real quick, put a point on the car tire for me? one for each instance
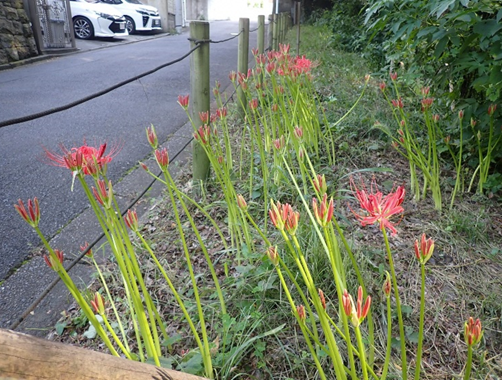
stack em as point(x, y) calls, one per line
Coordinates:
point(130, 25)
point(83, 28)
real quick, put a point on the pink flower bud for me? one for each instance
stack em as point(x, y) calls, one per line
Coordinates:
point(183, 100)
point(32, 215)
point(131, 220)
point(162, 158)
point(473, 332)
point(273, 255)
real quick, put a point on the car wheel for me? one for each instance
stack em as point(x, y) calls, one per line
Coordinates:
point(130, 25)
point(83, 28)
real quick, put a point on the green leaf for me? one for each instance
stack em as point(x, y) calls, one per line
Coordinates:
point(406, 310)
point(487, 28)
point(90, 333)
point(413, 337)
point(192, 365)
point(60, 326)
point(171, 340)
point(499, 15)
point(440, 47)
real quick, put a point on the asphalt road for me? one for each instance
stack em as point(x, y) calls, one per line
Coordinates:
point(118, 118)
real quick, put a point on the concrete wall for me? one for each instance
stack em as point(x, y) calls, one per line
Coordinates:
point(166, 11)
point(197, 10)
point(16, 36)
point(235, 9)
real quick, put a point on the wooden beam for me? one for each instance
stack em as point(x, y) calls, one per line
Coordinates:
point(26, 357)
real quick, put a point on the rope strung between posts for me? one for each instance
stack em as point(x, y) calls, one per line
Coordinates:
point(92, 96)
point(215, 42)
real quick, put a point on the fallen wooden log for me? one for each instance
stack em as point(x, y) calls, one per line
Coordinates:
point(25, 357)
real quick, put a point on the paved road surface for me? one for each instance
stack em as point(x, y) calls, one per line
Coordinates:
point(119, 117)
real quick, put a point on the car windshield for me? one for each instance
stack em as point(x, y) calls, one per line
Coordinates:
point(134, 1)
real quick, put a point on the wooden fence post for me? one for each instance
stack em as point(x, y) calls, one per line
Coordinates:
point(275, 32)
point(26, 357)
point(298, 9)
point(199, 93)
point(242, 61)
point(270, 41)
point(261, 34)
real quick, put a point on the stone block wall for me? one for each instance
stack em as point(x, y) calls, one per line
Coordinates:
point(16, 36)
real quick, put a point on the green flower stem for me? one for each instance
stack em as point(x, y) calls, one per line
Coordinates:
point(134, 322)
point(420, 324)
point(115, 312)
point(201, 242)
point(301, 324)
point(389, 341)
point(116, 338)
point(206, 354)
point(362, 354)
point(404, 362)
point(181, 304)
point(369, 317)
point(468, 365)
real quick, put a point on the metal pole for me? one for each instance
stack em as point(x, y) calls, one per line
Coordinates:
point(261, 34)
point(242, 61)
point(199, 92)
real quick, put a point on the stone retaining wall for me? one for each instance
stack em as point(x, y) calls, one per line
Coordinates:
point(16, 37)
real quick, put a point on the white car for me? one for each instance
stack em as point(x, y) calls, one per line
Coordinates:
point(139, 17)
point(92, 18)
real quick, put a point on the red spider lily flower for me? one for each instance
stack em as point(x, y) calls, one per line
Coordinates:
point(275, 107)
point(387, 285)
point(426, 103)
point(254, 51)
point(279, 143)
point(378, 207)
point(424, 249)
point(85, 159)
point(303, 65)
point(241, 202)
point(183, 100)
point(232, 76)
point(162, 158)
point(143, 165)
point(278, 214)
point(32, 215)
point(131, 220)
point(322, 298)
point(398, 103)
point(382, 86)
point(98, 304)
point(284, 48)
point(203, 134)
point(472, 332)
point(84, 248)
point(260, 59)
point(271, 67)
point(204, 117)
point(54, 262)
point(473, 122)
point(220, 160)
point(324, 212)
point(151, 135)
point(461, 114)
point(221, 112)
point(103, 196)
point(425, 90)
point(320, 185)
point(300, 309)
point(292, 221)
point(216, 91)
point(393, 76)
point(273, 255)
point(250, 73)
point(435, 118)
point(359, 312)
point(491, 109)
point(447, 139)
point(298, 132)
point(253, 104)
